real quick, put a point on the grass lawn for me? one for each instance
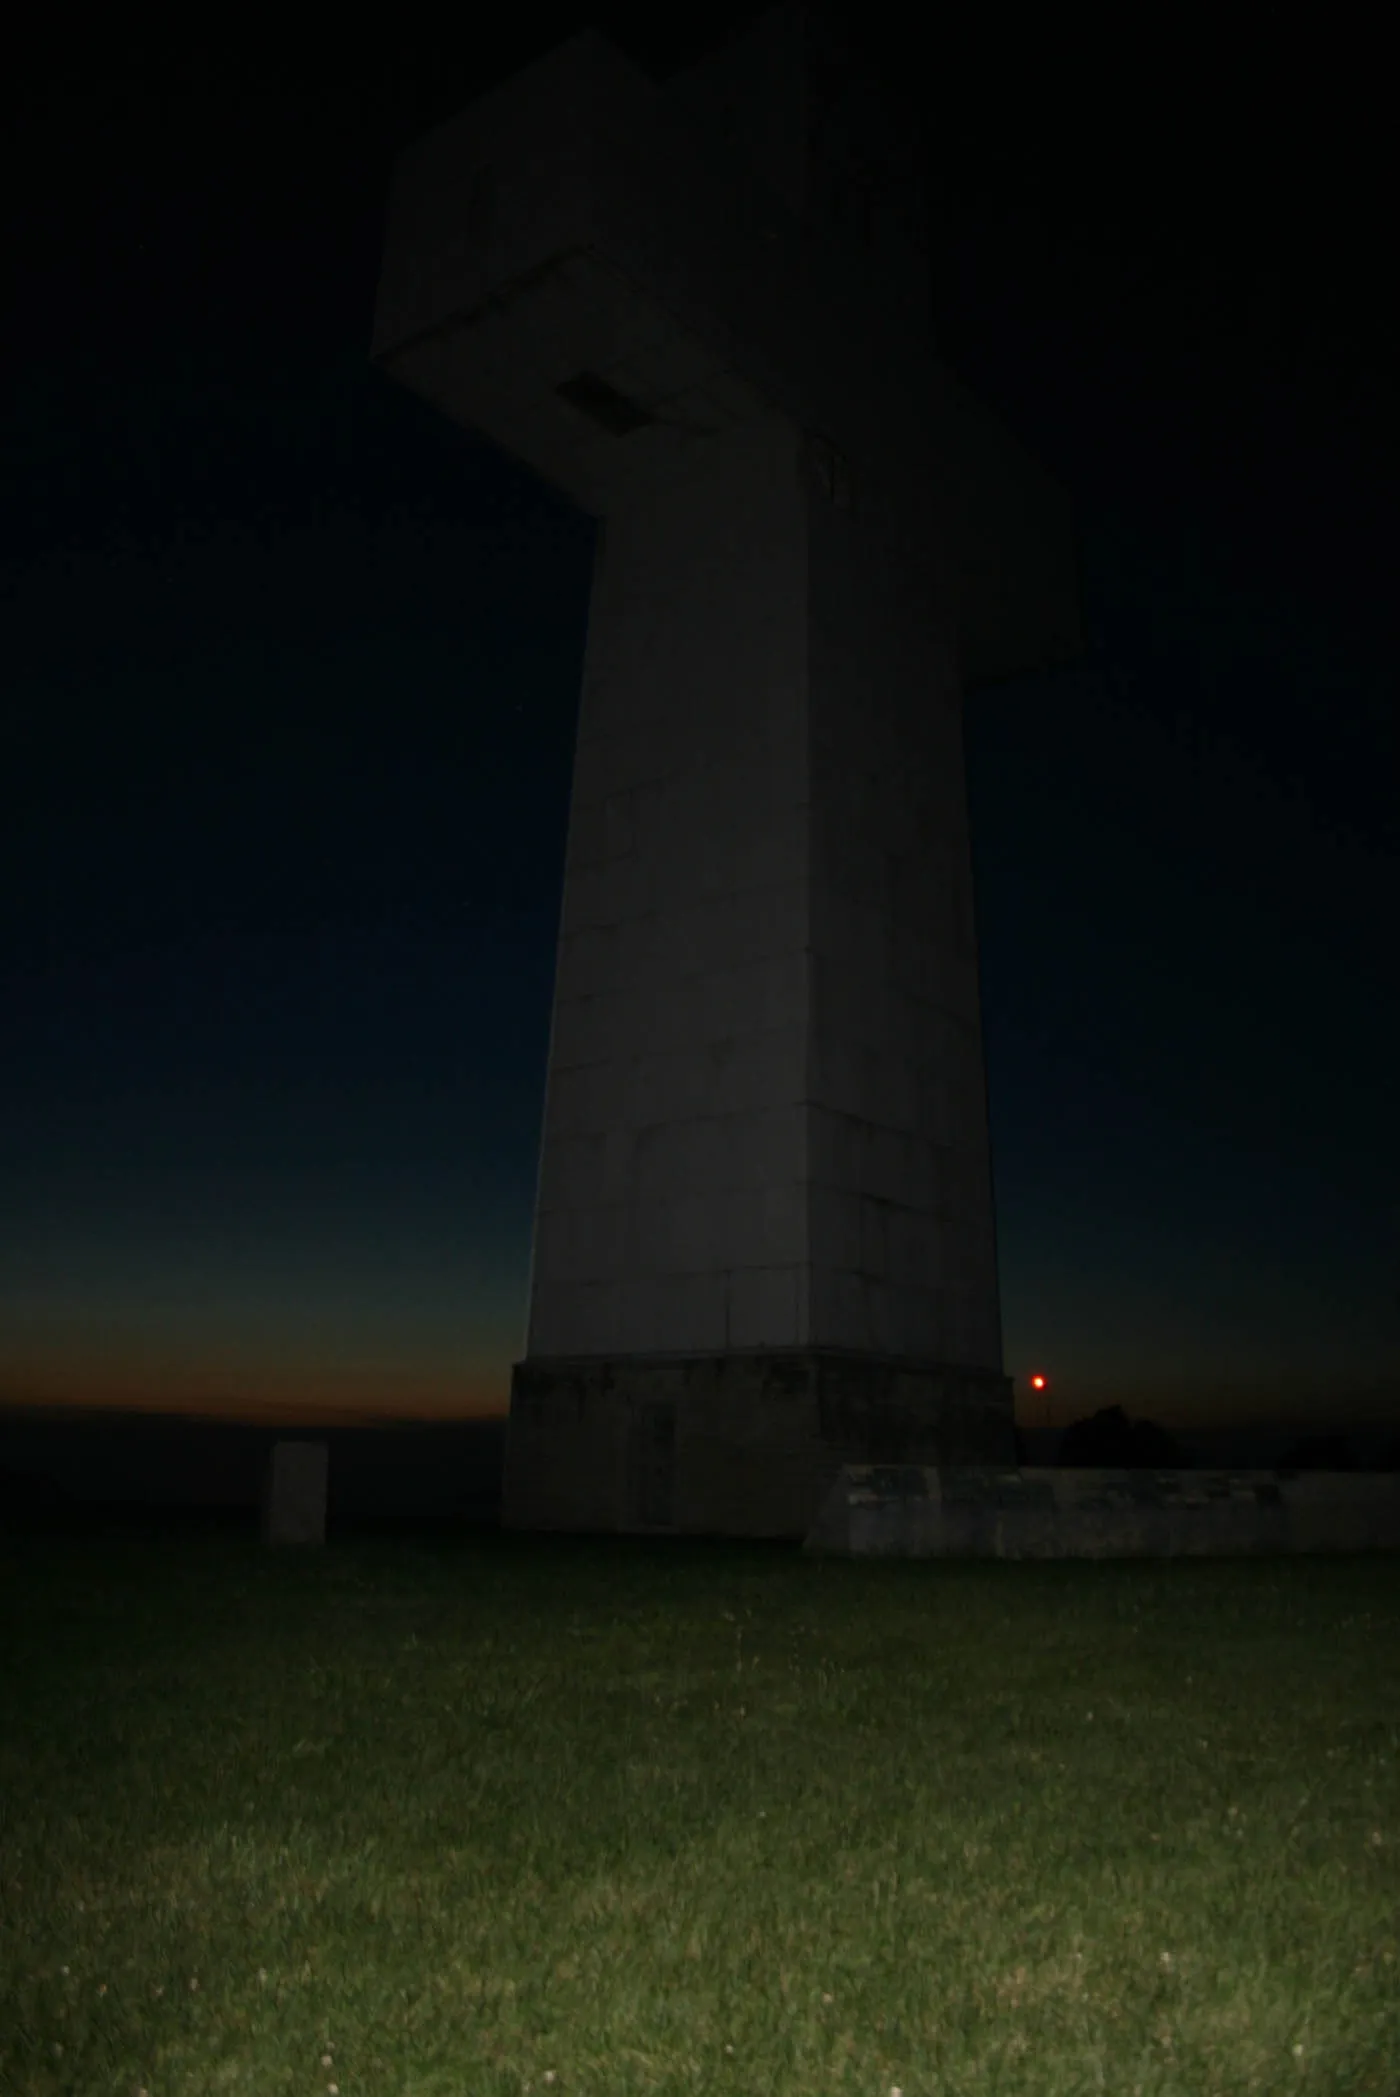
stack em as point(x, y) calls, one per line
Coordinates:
point(460, 1816)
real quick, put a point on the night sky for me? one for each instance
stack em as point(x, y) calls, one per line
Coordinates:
point(289, 672)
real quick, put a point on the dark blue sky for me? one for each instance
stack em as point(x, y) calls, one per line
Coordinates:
point(289, 672)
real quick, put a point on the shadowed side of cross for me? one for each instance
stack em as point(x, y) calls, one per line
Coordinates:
point(586, 256)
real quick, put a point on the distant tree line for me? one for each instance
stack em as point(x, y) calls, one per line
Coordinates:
point(1109, 1441)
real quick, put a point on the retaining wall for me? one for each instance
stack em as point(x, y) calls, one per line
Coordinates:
point(904, 1511)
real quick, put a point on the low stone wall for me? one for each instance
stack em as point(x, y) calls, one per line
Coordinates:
point(903, 1511)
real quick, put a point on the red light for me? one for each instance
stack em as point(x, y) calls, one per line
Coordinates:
point(1037, 1383)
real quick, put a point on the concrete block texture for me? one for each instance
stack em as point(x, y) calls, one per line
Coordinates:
point(733, 1444)
point(906, 1511)
point(714, 1124)
point(294, 1493)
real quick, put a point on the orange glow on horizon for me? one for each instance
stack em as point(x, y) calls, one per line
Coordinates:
point(292, 1380)
point(150, 1379)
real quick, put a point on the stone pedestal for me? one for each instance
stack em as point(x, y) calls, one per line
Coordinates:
point(731, 1445)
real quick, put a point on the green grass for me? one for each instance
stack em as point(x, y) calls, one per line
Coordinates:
point(496, 1814)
